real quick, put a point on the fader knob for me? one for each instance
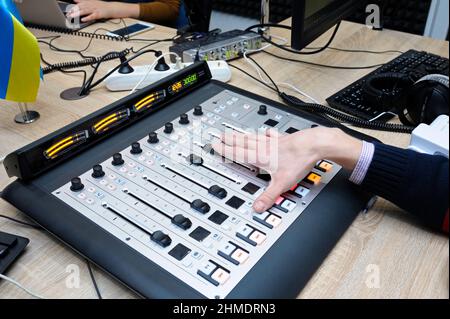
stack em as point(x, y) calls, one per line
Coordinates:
point(182, 222)
point(77, 185)
point(97, 171)
point(161, 239)
point(195, 160)
point(117, 159)
point(136, 148)
point(218, 192)
point(262, 110)
point(184, 119)
point(198, 111)
point(168, 128)
point(200, 206)
point(153, 138)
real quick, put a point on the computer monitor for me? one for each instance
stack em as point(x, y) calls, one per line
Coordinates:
point(312, 18)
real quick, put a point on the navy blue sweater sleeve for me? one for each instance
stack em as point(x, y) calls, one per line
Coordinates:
point(415, 182)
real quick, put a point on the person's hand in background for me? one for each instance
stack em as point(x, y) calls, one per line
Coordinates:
point(90, 10)
point(288, 158)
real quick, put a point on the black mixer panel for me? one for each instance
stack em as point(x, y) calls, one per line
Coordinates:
point(136, 188)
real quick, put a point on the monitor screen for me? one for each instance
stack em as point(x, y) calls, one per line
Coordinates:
point(312, 18)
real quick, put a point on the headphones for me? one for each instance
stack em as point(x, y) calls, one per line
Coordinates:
point(415, 102)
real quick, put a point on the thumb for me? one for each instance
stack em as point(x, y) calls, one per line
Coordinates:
point(268, 198)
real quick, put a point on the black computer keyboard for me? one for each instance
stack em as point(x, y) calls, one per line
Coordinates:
point(413, 63)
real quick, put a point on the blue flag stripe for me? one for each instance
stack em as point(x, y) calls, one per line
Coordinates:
point(6, 49)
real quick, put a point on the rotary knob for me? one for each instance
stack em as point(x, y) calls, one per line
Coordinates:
point(262, 110)
point(198, 111)
point(136, 148)
point(168, 128)
point(97, 171)
point(184, 119)
point(153, 138)
point(117, 159)
point(76, 185)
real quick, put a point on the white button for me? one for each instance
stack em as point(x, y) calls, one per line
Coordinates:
point(217, 118)
point(209, 115)
point(141, 158)
point(150, 163)
point(131, 174)
point(221, 276)
point(212, 122)
point(166, 151)
point(208, 268)
point(91, 190)
point(196, 255)
point(247, 107)
point(258, 237)
point(246, 231)
point(111, 187)
point(123, 169)
point(230, 102)
point(82, 196)
point(112, 176)
point(262, 216)
point(218, 110)
point(166, 143)
point(90, 201)
point(288, 204)
point(228, 249)
point(234, 99)
point(103, 182)
point(234, 115)
point(278, 117)
point(226, 226)
point(240, 256)
point(149, 154)
point(187, 262)
point(223, 107)
point(207, 244)
point(302, 191)
point(234, 220)
point(273, 220)
point(131, 164)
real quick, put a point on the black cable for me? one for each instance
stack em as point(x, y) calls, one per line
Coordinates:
point(81, 63)
point(270, 25)
point(90, 86)
point(251, 76)
point(266, 74)
point(35, 226)
point(68, 71)
point(326, 111)
point(94, 282)
point(336, 29)
point(338, 67)
point(360, 50)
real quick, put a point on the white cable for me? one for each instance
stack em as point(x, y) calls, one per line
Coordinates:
point(2, 159)
point(12, 281)
point(257, 69)
point(150, 68)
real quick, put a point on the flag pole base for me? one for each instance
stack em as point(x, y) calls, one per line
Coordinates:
point(27, 117)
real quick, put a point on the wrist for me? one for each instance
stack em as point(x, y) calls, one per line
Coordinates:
point(339, 147)
point(125, 10)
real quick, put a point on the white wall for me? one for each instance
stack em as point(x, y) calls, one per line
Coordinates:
point(437, 25)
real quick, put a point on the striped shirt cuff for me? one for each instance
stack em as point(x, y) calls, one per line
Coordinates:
point(363, 165)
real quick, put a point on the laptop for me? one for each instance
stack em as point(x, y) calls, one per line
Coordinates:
point(50, 13)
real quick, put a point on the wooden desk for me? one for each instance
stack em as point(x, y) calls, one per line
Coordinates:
point(412, 261)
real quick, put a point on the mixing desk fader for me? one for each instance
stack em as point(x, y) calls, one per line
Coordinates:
point(137, 189)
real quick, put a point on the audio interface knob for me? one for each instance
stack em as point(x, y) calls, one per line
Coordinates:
point(136, 148)
point(168, 128)
point(97, 171)
point(153, 138)
point(184, 119)
point(76, 185)
point(198, 111)
point(117, 159)
point(262, 110)
point(218, 192)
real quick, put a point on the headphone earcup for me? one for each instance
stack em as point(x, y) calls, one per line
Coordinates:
point(423, 103)
point(384, 91)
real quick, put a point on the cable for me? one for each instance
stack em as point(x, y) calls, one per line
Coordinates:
point(83, 34)
point(94, 282)
point(2, 159)
point(251, 76)
point(360, 50)
point(81, 63)
point(28, 291)
point(150, 68)
point(338, 67)
point(338, 25)
point(35, 226)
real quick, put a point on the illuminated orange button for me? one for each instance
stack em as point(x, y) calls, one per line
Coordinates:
point(279, 201)
point(221, 276)
point(325, 166)
point(313, 178)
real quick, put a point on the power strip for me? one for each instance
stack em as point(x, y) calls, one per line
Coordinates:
point(220, 71)
point(432, 139)
point(226, 46)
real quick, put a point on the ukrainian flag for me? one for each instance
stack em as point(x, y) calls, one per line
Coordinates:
point(20, 71)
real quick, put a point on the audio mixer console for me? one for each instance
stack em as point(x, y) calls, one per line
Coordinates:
point(136, 189)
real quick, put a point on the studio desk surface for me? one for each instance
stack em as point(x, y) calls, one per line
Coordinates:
point(384, 254)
